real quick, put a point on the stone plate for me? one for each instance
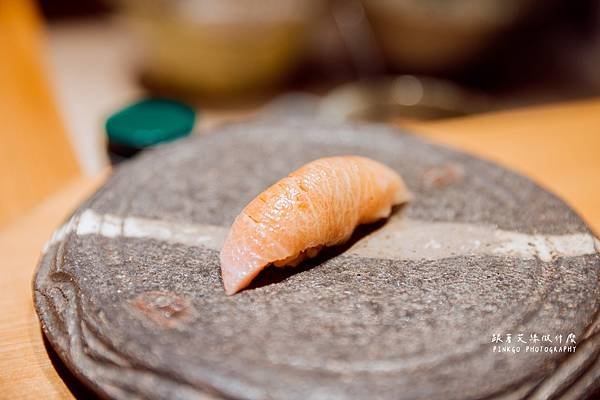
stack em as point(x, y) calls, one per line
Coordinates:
point(129, 294)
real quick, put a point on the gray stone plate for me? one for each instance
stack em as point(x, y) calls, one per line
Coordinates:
point(129, 293)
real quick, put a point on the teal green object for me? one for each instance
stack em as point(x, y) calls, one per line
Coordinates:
point(149, 122)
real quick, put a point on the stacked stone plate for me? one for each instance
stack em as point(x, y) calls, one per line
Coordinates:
point(129, 294)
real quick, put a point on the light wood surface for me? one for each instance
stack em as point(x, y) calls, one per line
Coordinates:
point(557, 145)
point(25, 369)
point(35, 154)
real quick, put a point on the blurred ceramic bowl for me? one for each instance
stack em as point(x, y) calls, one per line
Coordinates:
point(219, 47)
point(401, 98)
point(436, 35)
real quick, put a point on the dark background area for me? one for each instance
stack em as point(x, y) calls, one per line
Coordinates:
point(551, 53)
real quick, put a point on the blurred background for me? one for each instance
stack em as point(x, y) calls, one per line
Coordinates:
point(68, 66)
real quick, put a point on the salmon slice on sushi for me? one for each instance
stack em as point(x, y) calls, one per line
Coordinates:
point(316, 206)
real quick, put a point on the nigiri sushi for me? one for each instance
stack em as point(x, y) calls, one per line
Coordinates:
point(318, 205)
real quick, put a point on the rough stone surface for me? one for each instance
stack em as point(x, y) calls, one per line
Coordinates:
point(149, 318)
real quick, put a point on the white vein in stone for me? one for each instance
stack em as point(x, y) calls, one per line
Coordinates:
point(400, 238)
